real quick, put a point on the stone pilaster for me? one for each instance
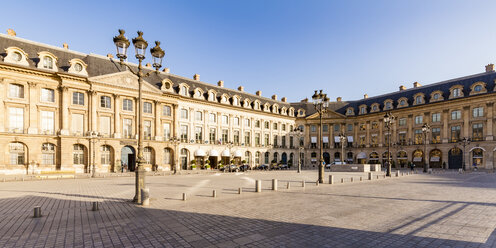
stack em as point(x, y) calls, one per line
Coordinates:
point(489, 122)
point(117, 116)
point(466, 122)
point(158, 126)
point(3, 111)
point(65, 101)
point(33, 111)
point(93, 105)
point(445, 132)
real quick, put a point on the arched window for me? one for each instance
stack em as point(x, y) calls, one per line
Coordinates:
point(436, 96)
point(17, 153)
point(48, 154)
point(167, 156)
point(247, 157)
point(276, 155)
point(418, 100)
point(184, 91)
point(148, 155)
point(478, 88)
point(105, 154)
point(257, 158)
point(78, 154)
point(266, 157)
point(235, 101)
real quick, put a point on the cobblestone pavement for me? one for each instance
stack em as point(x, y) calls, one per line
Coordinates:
point(437, 210)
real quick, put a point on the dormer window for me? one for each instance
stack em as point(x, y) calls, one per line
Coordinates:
point(363, 110)
point(235, 101)
point(211, 96)
point(300, 112)
point(16, 56)
point(349, 111)
point(375, 108)
point(78, 67)
point(436, 96)
point(184, 91)
point(47, 63)
point(456, 92)
point(478, 88)
point(388, 105)
point(402, 103)
point(418, 100)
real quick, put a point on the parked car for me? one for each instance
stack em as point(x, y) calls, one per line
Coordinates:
point(233, 168)
point(328, 166)
point(275, 167)
point(284, 166)
point(263, 167)
point(244, 167)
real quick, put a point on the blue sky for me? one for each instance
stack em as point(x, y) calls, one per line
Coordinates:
point(288, 48)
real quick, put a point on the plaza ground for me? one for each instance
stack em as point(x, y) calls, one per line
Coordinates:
point(422, 210)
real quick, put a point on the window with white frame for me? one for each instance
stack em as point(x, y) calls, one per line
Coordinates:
point(419, 119)
point(198, 134)
point(167, 131)
point(418, 100)
point(167, 156)
point(105, 154)
point(127, 104)
point(105, 125)
point(77, 126)
point(212, 118)
point(147, 107)
point(456, 115)
point(78, 98)
point(17, 153)
point(78, 154)
point(47, 122)
point(236, 121)
point(436, 117)
point(147, 129)
point(456, 92)
point(225, 120)
point(184, 114)
point(127, 128)
point(48, 62)
point(247, 122)
point(184, 91)
point(47, 95)
point(478, 112)
point(402, 122)
point(148, 155)
point(212, 135)
point(16, 120)
point(166, 111)
point(16, 91)
point(225, 136)
point(47, 154)
point(198, 116)
point(184, 133)
point(105, 102)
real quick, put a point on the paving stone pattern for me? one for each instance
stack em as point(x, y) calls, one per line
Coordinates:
point(436, 210)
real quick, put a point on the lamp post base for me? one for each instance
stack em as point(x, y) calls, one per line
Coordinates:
point(321, 172)
point(140, 183)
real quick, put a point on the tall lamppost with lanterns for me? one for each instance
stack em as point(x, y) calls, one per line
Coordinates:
point(175, 141)
point(464, 142)
point(342, 139)
point(425, 130)
point(140, 45)
point(298, 132)
point(321, 103)
point(389, 119)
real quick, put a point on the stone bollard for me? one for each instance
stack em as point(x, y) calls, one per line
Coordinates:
point(37, 212)
point(214, 193)
point(287, 187)
point(317, 183)
point(184, 196)
point(402, 174)
point(240, 190)
point(94, 205)
point(145, 196)
point(342, 180)
point(351, 179)
point(397, 173)
point(384, 176)
point(361, 179)
point(331, 179)
point(303, 183)
point(258, 186)
point(23, 179)
point(377, 176)
point(274, 184)
point(370, 175)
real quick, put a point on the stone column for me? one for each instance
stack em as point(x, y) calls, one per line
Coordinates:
point(158, 128)
point(466, 122)
point(409, 135)
point(175, 123)
point(33, 111)
point(489, 122)
point(65, 102)
point(445, 132)
point(117, 116)
point(92, 107)
point(367, 135)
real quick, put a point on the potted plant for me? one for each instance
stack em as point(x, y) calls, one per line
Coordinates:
point(207, 164)
point(193, 164)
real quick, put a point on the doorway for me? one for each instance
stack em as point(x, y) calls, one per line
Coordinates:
point(128, 158)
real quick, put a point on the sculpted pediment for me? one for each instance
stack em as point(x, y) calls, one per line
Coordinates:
point(124, 79)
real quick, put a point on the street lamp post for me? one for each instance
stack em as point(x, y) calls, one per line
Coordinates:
point(321, 103)
point(175, 141)
point(464, 142)
point(425, 129)
point(140, 45)
point(342, 139)
point(93, 138)
point(230, 145)
point(389, 119)
point(298, 132)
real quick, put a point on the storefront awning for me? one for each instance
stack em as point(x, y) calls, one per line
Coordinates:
point(200, 153)
point(435, 159)
point(313, 139)
point(237, 154)
point(417, 159)
point(325, 139)
point(226, 153)
point(337, 139)
point(350, 138)
point(214, 153)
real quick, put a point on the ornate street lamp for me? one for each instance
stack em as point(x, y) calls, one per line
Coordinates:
point(94, 137)
point(464, 142)
point(342, 139)
point(425, 129)
point(140, 45)
point(175, 141)
point(298, 132)
point(321, 103)
point(389, 119)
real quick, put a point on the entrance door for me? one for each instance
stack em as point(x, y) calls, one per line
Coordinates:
point(455, 158)
point(327, 158)
point(128, 158)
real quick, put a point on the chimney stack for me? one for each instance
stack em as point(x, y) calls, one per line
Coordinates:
point(416, 85)
point(11, 32)
point(284, 99)
point(402, 87)
point(65, 45)
point(109, 55)
point(338, 99)
point(490, 68)
point(258, 93)
point(220, 83)
point(304, 100)
point(365, 96)
point(274, 97)
point(196, 77)
point(166, 70)
point(241, 88)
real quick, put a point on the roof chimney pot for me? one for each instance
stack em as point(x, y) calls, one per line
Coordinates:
point(241, 88)
point(220, 83)
point(284, 99)
point(490, 68)
point(338, 99)
point(416, 85)
point(274, 97)
point(258, 93)
point(402, 87)
point(109, 55)
point(166, 70)
point(11, 32)
point(196, 77)
point(365, 96)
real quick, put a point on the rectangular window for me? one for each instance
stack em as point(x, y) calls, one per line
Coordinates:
point(198, 116)
point(455, 133)
point(257, 139)
point(47, 95)
point(77, 126)
point(275, 140)
point(402, 139)
point(436, 117)
point(212, 135)
point(105, 102)
point(105, 125)
point(363, 126)
point(77, 98)
point(313, 128)
point(225, 136)
point(418, 137)
point(127, 128)
point(127, 104)
point(349, 127)
point(436, 135)
point(166, 111)
point(225, 120)
point(456, 115)
point(147, 130)
point(167, 131)
point(337, 127)
point(212, 118)
point(291, 142)
point(478, 112)
point(275, 126)
point(325, 128)
point(247, 122)
point(198, 134)
point(236, 121)
point(402, 122)
point(266, 124)
point(419, 120)
point(247, 139)
point(147, 107)
point(375, 125)
point(16, 91)
point(236, 137)
point(283, 127)
point(16, 120)
point(184, 133)
point(361, 141)
point(266, 140)
point(47, 122)
point(283, 141)
point(184, 114)
point(257, 124)
point(477, 132)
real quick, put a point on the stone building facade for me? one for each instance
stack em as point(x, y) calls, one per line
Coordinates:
point(68, 112)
